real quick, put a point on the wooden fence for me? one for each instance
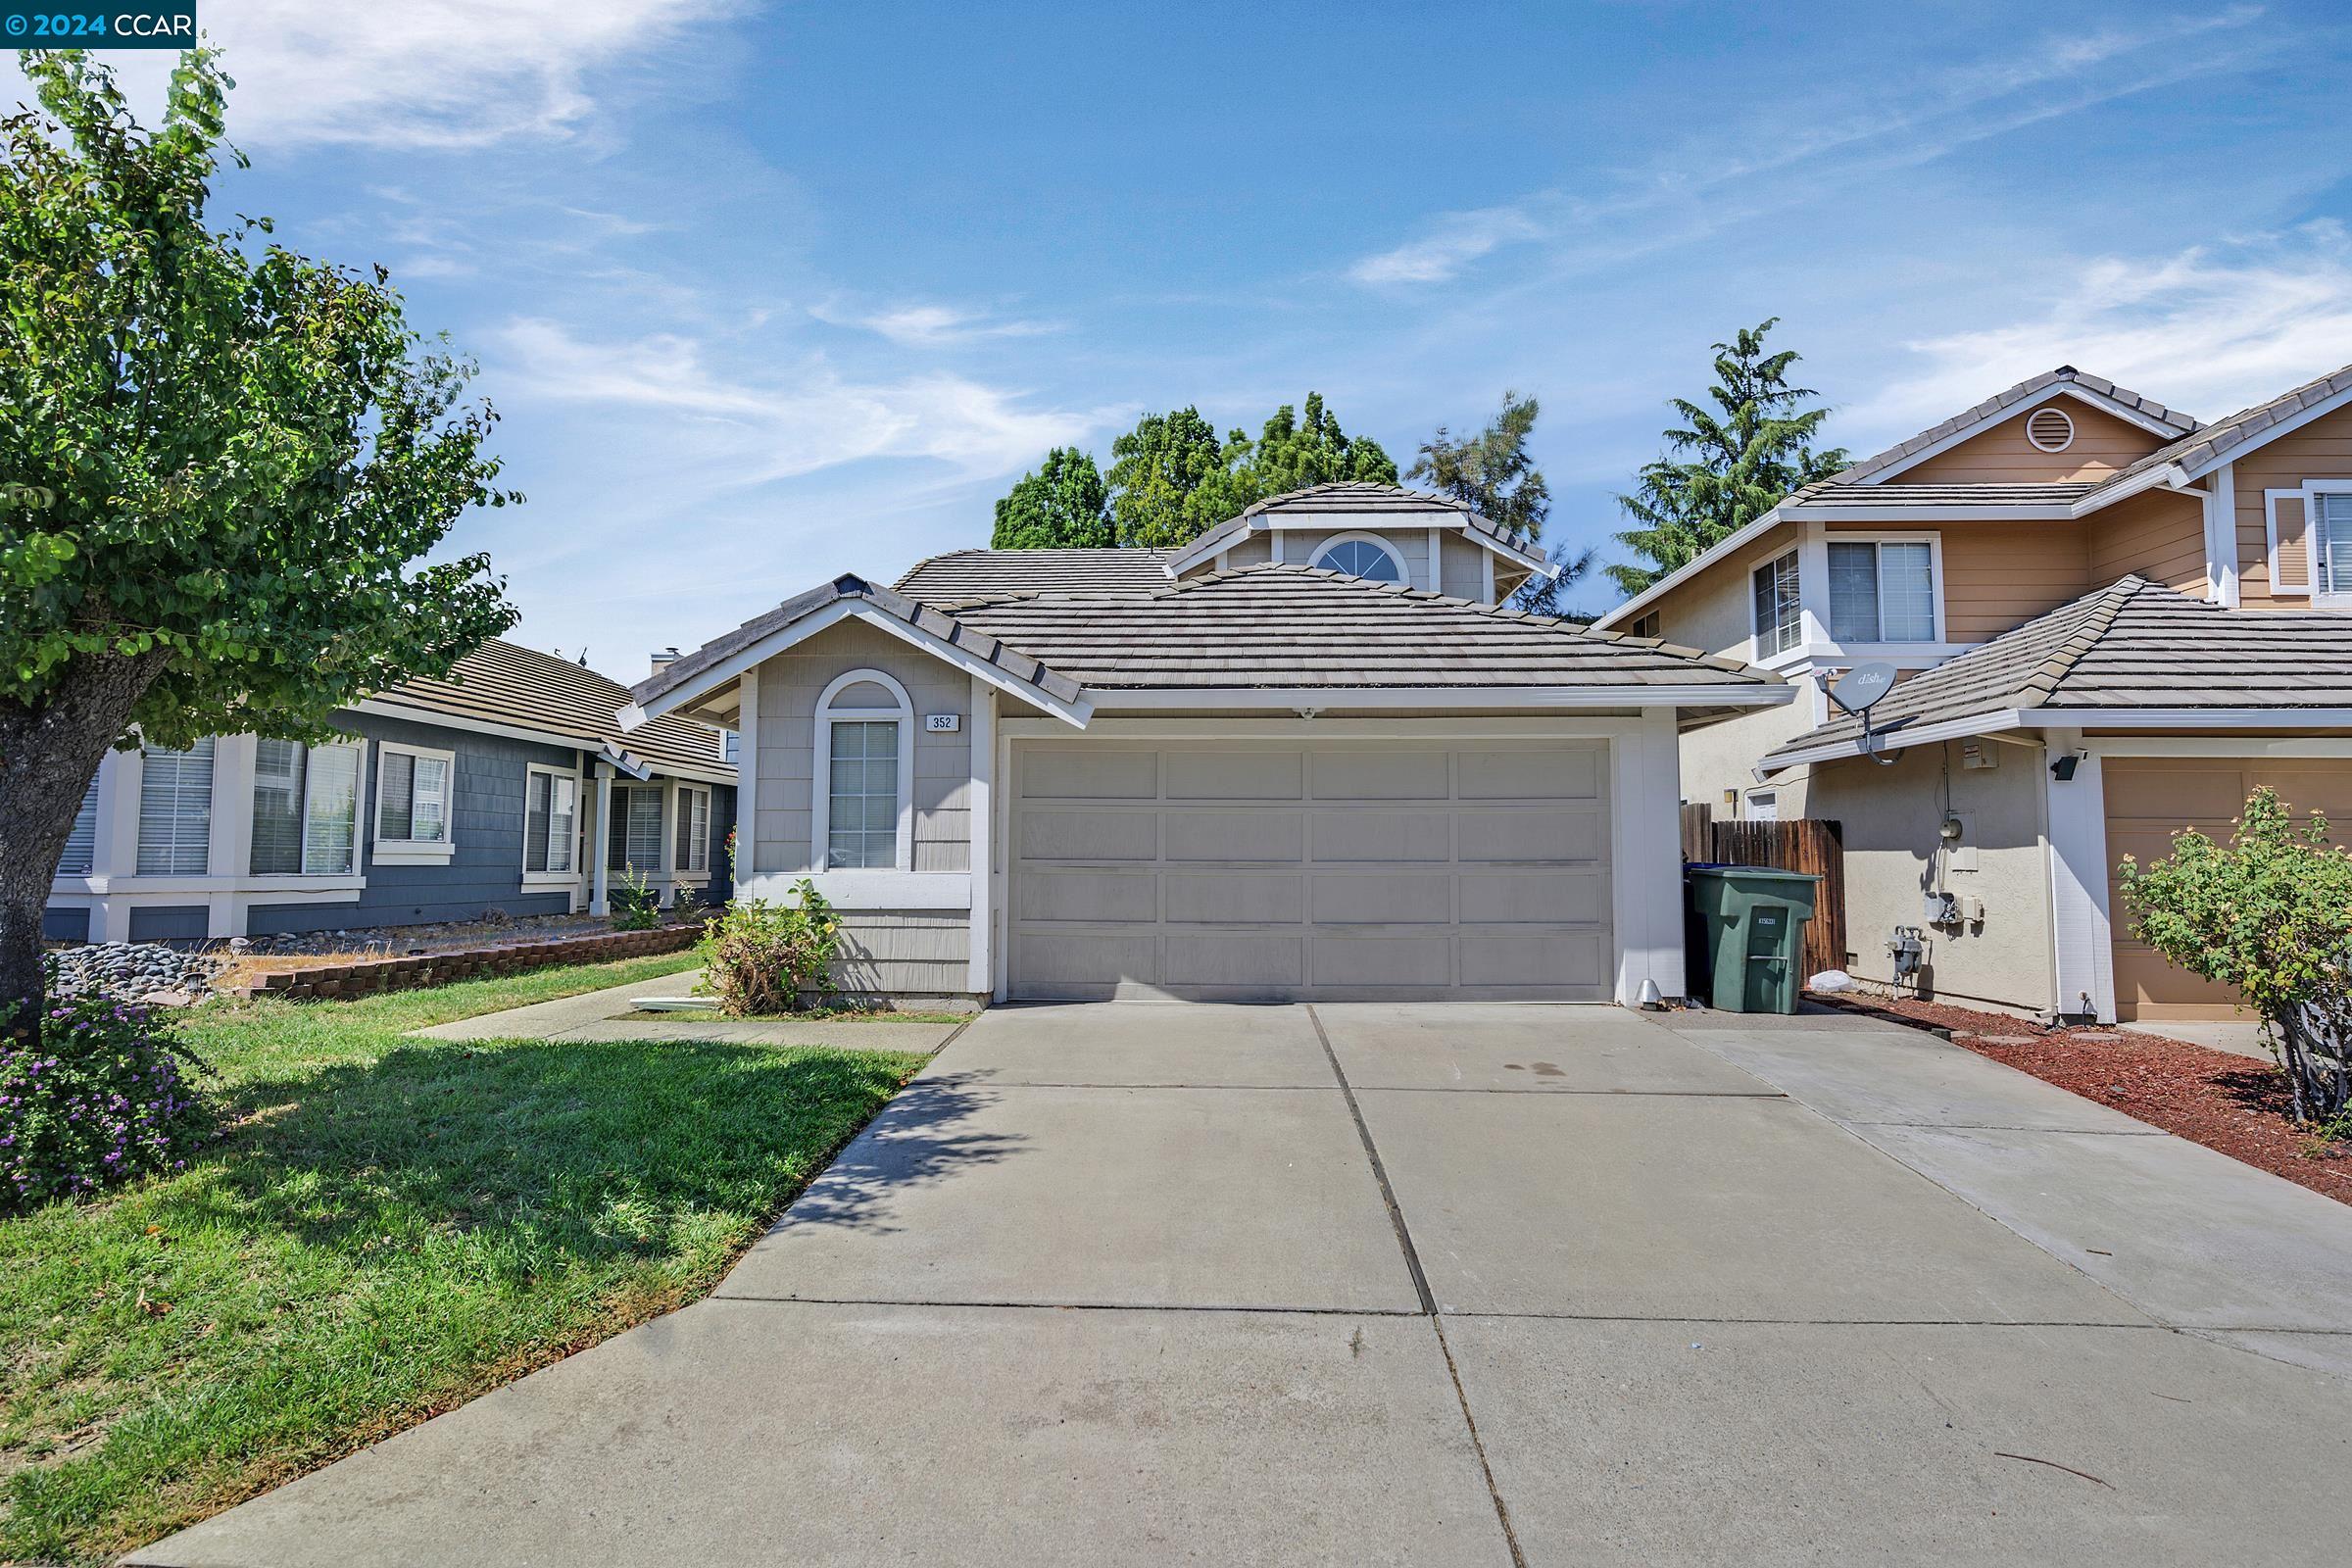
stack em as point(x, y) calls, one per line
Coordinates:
point(1805, 843)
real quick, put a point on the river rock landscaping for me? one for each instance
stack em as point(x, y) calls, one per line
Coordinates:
point(134, 971)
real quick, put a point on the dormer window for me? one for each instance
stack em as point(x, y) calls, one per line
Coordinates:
point(1360, 556)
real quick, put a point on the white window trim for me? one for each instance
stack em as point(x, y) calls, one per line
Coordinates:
point(1935, 543)
point(358, 819)
point(1387, 547)
point(1756, 652)
point(414, 852)
point(580, 797)
point(821, 781)
point(2308, 493)
point(679, 790)
point(624, 789)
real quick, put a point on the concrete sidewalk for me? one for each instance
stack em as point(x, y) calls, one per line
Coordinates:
point(1492, 1284)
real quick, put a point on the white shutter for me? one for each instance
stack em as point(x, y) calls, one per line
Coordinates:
point(175, 811)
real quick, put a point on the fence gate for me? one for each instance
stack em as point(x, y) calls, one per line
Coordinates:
point(1803, 844)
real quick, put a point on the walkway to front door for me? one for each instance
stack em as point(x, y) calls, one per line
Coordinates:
point(1152, 1283)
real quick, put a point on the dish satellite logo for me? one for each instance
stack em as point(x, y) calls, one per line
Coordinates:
point(97, 24)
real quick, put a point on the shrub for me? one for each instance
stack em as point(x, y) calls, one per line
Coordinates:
point(760, 958)
point(635, 905)
point(100, 1096)
point(2271, 914)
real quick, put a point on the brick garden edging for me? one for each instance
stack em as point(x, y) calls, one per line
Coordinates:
point(367, 976)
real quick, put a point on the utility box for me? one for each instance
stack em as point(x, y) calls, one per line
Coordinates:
point(1749, 935)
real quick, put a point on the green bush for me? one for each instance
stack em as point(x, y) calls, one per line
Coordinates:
point(761, 957)
point(2271, 916)
point(97, 1096)
point(635, 905)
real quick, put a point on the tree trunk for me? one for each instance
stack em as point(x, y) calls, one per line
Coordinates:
point(48, 756)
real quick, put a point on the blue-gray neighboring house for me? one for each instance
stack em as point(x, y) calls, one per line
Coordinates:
point(508, 786)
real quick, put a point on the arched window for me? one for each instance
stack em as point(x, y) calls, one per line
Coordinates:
point(863, 789)
point(1361, 556)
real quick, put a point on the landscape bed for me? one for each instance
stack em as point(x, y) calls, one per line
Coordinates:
point(2235, 1105)
point(388, 1227)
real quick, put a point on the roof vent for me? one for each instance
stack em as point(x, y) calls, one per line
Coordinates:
point(2050, 428)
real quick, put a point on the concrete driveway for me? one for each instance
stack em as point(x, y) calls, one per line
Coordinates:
point(1494, 1285)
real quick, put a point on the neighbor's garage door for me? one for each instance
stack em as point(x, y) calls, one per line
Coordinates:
point(1321, 871)
point(2149, 799)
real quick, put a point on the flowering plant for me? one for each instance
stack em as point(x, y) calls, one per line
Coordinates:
point(96, 1095)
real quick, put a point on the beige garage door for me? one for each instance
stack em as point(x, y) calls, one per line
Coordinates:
point(1306, 871)
point(2149, 799)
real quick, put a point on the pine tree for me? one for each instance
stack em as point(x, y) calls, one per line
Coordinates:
point(1495, 474)
point(1725, 467)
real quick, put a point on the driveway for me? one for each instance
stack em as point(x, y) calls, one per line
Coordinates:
point(1451, 1284)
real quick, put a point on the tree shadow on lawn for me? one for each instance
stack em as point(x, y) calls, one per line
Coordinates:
point(532, 1157)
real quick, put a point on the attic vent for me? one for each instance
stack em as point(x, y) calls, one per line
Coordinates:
point(2050, 429)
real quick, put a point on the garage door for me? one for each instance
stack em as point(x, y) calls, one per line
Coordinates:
point(1304, 871)
point(2149, 799)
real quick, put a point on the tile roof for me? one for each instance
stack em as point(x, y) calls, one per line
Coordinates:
point(1357, 496)
point(1012, 661)
point(963, 575)
point(1288, 625)
point(2000, 401)
point(1929, 496)
point(2208, 443)
point(2131, 644)
point(506, 683)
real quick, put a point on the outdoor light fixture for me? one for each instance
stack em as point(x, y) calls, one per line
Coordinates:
point(2063, 769)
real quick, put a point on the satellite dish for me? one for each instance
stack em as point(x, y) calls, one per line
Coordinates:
point(1860, 688)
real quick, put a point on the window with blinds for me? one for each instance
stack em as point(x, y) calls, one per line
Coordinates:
point(1882, 591)
point(636, 832)
point(175, 810)
point(551, 816)
point(1780, 615)
point(413, 797)
point(2332, 526)
point(305, 807)
point(82, 844)
point(694, 830)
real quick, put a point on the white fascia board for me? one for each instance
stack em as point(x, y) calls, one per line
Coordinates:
point(2189, 717)
point(1338, 698)
point(2018, 411)
point(732, 670)
point(1851, 512)
point(1897, 740)
point(2272, 432)
point(2167, 477)
point(716, 773)
point(1691, 568)
point(927, 891)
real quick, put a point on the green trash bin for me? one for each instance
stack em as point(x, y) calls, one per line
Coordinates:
point(1751, 935)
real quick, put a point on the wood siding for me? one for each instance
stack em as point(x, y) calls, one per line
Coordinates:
point(2159, 534)
point(1999, 575)
point(2321, 450)
point(2103, 443)
point(886, 953)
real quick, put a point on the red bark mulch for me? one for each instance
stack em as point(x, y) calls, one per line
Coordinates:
point(2231, 1104)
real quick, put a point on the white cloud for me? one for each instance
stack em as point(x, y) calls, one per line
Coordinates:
point(1912, 123)
point(927, 325)
point(2211, 330)
point(412, 73)
point(744, 432)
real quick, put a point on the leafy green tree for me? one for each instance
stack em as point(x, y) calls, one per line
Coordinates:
point(1494, 473)
point(1174, 479)
point(1294, 452)
point(1726, 466)
point(2270, 917)
point(1062, 506)
point(222, 461)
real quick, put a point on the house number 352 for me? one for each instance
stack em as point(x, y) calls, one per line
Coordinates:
point(943, 723)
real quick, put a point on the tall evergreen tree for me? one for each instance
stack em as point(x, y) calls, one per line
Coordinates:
point(1062, 506)
point(1494, 473)
point(1724, 467)
point(1295, 452)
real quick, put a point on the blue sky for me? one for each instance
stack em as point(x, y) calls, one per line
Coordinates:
point(766, 292)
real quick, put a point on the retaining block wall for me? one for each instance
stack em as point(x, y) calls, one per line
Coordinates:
point(369, 976)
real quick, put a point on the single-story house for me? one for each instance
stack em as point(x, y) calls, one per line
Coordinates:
point(507, 786)
point(2110, 619)
point(1308, 756)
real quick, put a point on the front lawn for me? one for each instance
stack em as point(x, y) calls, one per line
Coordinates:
point(391, 1227)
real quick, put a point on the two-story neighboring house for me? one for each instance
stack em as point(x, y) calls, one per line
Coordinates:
point(2111, 621)
point(1310, 755)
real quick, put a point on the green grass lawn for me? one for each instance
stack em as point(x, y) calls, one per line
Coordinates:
point(391, 1227)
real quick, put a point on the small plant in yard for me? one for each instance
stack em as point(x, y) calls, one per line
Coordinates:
point(760, 958)
point(636, 907)
point(97, 1096)
point(2270, 914)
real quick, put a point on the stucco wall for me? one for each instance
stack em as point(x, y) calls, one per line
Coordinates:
point(1890, 819)
point(1723, 757)
point(1713, 610)
point(790, 685)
